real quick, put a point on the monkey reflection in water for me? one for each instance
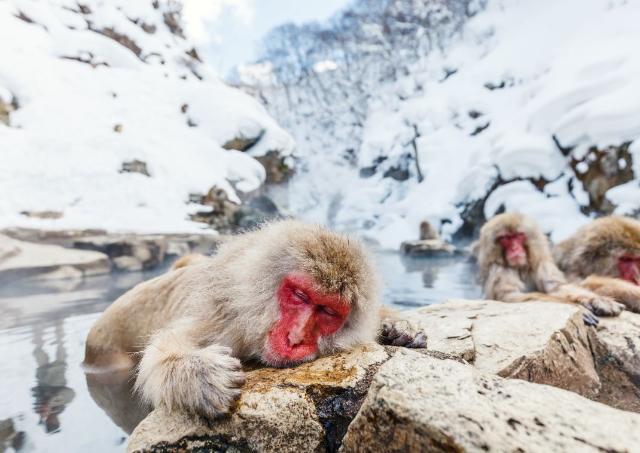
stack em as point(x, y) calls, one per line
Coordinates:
point(51, 394)
point(282, 295)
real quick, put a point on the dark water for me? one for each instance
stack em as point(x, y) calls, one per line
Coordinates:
point(48, 405)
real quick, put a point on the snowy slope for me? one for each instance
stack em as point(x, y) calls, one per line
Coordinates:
point(532, 87)
point(100, 83)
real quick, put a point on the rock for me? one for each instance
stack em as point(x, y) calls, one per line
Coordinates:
point(307, 408)
point(242, 143)
point(128, 263)
point(221, 213)
point(600, 170)
point(8, 104)
point(127, 252)
point(276, 167)
point(617, 355)
point(418, 403)
point(427, 247)
point(540, 342)
point(135, 166)
point(43, 214)
point(20, 259)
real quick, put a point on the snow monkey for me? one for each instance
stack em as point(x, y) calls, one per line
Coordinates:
point(281, 295)
point(514, 257)
point(606, 252)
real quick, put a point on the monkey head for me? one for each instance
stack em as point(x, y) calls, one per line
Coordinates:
point(608, 246)
point(510, 240)
point(306, 315)
point(514, 250)
point(313, 292)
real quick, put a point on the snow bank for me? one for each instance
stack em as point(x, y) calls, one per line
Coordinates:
point(109, 82)
point(527, 87)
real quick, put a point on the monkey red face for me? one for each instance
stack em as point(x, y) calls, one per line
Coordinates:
point(306, 315)
point(629, 268)
point(513, 246)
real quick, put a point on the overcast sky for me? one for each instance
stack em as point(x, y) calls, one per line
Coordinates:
point(228, 31)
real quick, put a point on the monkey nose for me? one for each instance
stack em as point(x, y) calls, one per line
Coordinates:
point(298, 334)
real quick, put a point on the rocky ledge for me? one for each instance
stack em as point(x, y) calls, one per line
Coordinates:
point(456, 395)
point(30, 253)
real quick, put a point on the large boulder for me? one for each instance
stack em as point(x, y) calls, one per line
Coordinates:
point(307, 408)
point(21, 259)
point(616, 351)
point(540, 342)
point(419, 403)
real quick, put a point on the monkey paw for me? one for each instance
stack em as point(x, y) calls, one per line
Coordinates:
point(590, 319)
point(205, 381)
point(601, 305)
point(402, 333)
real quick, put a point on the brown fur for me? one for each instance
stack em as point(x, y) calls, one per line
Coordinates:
point(594, 251)
point(191, 327)
point(427, 231)
point(540, 279)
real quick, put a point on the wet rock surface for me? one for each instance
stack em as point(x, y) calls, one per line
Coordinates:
point(76, 254)
point(428, 248)
point(21, 259)
point(457, 395)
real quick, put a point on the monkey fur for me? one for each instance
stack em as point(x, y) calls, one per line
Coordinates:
point(594, 252)
point(538, 278)
point(188, 330)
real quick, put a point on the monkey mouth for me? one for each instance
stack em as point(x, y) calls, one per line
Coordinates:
point(281, 352)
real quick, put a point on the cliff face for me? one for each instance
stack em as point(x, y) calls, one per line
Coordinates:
point(109, 119)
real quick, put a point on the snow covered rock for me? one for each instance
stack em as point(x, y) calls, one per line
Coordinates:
point(421, 403)
point(102, 84)
point(20, 259)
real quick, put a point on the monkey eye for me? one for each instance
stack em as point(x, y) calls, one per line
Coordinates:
point(328, 311)
point(300, 295)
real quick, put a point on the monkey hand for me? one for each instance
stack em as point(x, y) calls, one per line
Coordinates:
point(599, 305)
point(400, 332)
point(203, 381)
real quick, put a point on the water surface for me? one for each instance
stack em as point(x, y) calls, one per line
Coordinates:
point(48, 405)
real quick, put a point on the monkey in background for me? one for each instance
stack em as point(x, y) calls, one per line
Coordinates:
point(516, 265)
point(606, 254)
point(427, 231)
point(281, 295)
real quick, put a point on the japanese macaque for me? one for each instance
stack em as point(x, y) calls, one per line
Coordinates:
point(606, 253)
point(427, 231)
point(281, 295)
point(516, 265)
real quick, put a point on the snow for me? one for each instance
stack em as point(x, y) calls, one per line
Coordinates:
point(62, 151)
point(570, 77)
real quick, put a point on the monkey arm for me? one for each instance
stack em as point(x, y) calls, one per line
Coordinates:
point(178, 374)
point(600, 305)
point(504, 284)
point(548, 277)
point(622, 291)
